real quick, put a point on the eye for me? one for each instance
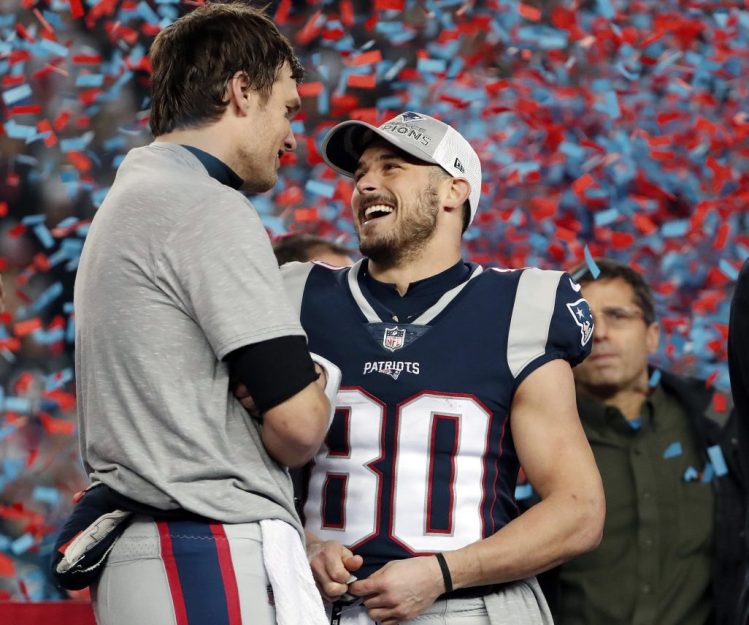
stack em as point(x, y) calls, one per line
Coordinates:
point(389, 166)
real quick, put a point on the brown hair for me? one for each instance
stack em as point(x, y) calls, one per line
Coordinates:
point(194, 58)
point(611, 269)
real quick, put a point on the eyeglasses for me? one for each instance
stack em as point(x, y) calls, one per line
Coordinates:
point(617, 316)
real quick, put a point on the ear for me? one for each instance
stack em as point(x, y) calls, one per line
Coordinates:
point(239, 94)
point(652, 337)
point(458, 193)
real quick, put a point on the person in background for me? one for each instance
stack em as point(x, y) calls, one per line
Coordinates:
point(671, 552)
point(452, 375)
point(738, 369)
point(303, 247)
point(180, 306)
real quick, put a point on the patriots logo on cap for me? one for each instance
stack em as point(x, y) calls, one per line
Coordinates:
point(409, 116)
point(394, 338)
point(580, 311)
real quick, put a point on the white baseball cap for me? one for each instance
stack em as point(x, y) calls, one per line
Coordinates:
point(419, 135)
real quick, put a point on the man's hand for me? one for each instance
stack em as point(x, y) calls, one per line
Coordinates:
point(401, 589)
point(244, 397)
point(332, 565)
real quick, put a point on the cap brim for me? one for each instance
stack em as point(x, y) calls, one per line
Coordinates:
point(344, 144)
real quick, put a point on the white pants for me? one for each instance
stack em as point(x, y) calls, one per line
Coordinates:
point(518, 603)
point(185, 573)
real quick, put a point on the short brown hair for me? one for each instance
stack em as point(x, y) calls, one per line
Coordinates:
point(194, 58)
point(611, 269)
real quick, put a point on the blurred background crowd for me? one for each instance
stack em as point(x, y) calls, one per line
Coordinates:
point(615, 128)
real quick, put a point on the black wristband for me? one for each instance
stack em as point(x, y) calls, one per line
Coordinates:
point(446, 577)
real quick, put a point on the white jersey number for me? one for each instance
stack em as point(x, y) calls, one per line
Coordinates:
point(413, 486)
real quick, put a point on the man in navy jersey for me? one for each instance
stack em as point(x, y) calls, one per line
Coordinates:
point(453, 376)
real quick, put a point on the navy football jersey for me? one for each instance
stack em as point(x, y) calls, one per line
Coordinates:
point(419, 457)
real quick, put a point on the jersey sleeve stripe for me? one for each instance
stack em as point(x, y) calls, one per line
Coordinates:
point(531, 317)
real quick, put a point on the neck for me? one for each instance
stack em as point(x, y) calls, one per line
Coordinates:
point(212, 139)
point(627, 400)
point(428, 263)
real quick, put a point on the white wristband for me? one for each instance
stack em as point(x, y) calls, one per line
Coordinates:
point(332, 382)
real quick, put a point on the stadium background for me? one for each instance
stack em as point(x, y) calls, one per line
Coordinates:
point(605, 127)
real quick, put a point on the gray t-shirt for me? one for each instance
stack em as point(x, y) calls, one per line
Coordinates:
point(176, 272)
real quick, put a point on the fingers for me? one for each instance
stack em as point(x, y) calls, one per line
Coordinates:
point(329, 568)
point(352, 562)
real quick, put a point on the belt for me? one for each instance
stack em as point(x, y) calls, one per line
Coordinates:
point(472, 592)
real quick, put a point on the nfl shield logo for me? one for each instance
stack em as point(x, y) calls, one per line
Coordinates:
point(394, 338)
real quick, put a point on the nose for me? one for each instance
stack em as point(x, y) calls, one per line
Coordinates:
point(600, 328)
point(367, 183)
point(289, 143)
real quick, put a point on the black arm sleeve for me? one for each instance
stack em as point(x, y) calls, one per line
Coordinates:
point(273, 370)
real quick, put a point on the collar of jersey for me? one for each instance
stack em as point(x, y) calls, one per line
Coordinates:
point(425, 318)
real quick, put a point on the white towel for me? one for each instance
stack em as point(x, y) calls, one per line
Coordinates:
point(297, 599)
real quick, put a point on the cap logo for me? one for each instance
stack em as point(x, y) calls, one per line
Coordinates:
point(459, 166)
point(410, 116)
point(417, 134)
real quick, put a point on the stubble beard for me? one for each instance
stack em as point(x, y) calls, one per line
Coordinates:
point(406, 242)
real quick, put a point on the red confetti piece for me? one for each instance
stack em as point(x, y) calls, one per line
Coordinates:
point(720, 402)
point(389, 5)
point(24, 328)
point(365, 81)
point(76, 8)
point(308, 89)
point(7, 566)
point(81, 162)
point(25, 109)
point(305, 214)
point(722, 236)
point(366, 58)
point(531, 13)
point(86, 59)
point(56, 426)
point(582, 184)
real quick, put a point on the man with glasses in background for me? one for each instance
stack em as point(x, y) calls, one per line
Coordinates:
point(671, 552)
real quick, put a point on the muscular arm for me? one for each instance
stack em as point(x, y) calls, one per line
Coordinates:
point(558, 461)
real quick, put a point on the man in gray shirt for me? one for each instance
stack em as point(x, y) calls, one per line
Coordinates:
point(178, 303)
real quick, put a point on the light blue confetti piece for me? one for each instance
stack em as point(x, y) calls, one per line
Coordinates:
point(17, 404)
point(147, 13)
point(22, 544)
point(7, 21)
point(691, 474)
point(572, 149)
point(655, 378)
point(53, 47)
point(32, 220)
point(50, 294)
point(19, 131)
point(676, 228)
point(46, 494)
point(43, 234)
point(70, 331)
point(606, 217)
point(728, 269)
point(708, 472)
point(635, 424)
point(16, 94)
point(320, 188)
point(594, 269)
point(89, 80)
point(61, 378)
point(395, 69)
point(523, 491)
point(434, 66)
point(297, 127)
point(721, 18)
point(719, 462)
point(673, 450)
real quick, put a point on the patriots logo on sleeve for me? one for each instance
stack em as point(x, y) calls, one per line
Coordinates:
point(580, 311)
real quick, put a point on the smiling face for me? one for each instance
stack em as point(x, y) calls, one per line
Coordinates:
point(267, 134)
point(622, 341)
point(396, 204)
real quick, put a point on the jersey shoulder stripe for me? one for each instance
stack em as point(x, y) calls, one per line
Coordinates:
point(295, 276)
point(532, 312)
